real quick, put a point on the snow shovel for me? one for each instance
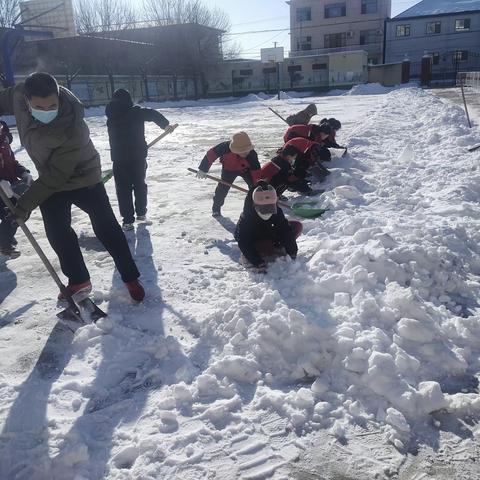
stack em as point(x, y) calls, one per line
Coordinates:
point(81, 311)
point(108, 174)
point(300, 212)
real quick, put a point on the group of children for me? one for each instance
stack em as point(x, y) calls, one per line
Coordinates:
point(262, 229)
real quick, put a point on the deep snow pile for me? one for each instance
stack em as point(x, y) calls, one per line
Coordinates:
point(221, 373)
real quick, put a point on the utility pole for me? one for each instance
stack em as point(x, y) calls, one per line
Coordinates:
point(278, 74)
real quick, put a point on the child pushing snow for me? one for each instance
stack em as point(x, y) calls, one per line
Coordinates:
point(303, 117)
point(238, 158)
point(128, 150)
point(13, 178)
point(263, 231)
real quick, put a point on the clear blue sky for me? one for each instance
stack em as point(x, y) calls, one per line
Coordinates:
point(248, 15)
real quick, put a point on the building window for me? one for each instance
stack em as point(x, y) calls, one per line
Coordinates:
point(246, 72)
point(403, 31)
point(335, 40)
point(294, 68)
point(369, 6)
point(462, 25)
point(368, 36)
point(319, 66)
point(460, 56)
point(434, 27)
point(435, 58)
point(269, 70)
point(336, 10)
point(304, 14)
point(304, 43)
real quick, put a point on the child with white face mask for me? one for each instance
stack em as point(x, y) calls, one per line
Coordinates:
point(263, 231)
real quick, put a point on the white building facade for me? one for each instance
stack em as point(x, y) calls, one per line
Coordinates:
point(320, 27)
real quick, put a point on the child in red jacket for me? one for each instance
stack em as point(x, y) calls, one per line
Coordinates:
point(238, 158)
point(11, 174)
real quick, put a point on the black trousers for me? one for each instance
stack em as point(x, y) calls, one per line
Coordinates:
point(7, 229)
point(130, 182)
point(222, 190)
point(57, 218)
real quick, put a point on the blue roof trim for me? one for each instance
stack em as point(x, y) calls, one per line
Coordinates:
point(438, 7)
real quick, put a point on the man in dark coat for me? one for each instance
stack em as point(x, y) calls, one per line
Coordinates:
point(263, 229)
point(52, 128)
point(128, 150)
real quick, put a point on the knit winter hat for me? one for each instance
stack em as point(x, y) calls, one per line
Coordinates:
point(241, 143)
point(265, 200)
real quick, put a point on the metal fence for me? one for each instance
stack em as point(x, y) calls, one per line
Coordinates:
point(469, 79)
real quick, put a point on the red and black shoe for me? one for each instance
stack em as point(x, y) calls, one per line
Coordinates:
point(77, 288)
point(136, 290)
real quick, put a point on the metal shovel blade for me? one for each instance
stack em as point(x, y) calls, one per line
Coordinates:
point(89, 310)
point(82, 310)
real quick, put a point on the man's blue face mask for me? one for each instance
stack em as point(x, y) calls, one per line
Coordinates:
point(44, 116)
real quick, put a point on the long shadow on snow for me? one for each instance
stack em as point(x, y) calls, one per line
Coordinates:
point(128, 371)
point(8, 281)
point(25, 429)
point(228, 224)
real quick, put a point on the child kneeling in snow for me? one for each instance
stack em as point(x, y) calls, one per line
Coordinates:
point(263, 231)
point(13, 180)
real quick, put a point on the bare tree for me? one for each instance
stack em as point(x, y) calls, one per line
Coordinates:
point(103, 15)
point(9, 10)
point(169, 12)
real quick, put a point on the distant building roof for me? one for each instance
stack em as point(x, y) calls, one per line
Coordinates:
point(439, 7)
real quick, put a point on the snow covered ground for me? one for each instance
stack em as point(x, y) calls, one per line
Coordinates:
point(343, 364)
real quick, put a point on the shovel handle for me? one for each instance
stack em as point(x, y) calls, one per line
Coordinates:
point(244, 190)
point(164, 134)
point(277, 114)
point(40, 253)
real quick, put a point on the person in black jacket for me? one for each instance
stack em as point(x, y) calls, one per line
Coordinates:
point(128, 150)
point(263, 230)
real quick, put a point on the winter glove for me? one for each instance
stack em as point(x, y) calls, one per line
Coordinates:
point(6, 186)
point(27, 178)
point(171, 128)
point(201, 174)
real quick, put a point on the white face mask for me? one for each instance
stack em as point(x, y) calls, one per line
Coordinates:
point(264, 216)
point(44, 116)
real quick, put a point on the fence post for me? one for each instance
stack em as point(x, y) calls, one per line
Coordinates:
point(406, 70)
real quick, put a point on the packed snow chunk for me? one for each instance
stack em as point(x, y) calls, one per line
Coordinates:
point(270, 300)
point(357, 360)
point(207, 385)
point(126, 457)
point(416, 331)
point(397, 420)
point(302, 399)
point(431, 397)
point(348, 192)
point(342, 299)
point(237, 368)
point(182, 393)
point(463, 404)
